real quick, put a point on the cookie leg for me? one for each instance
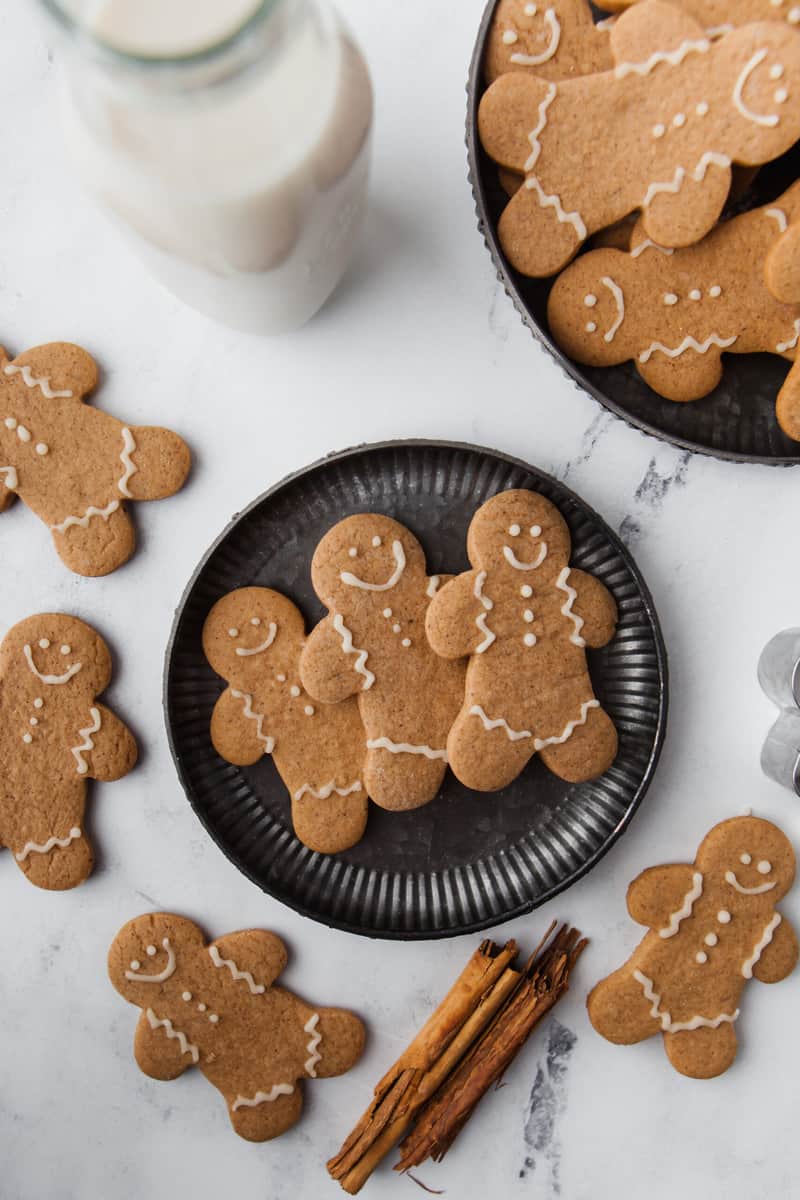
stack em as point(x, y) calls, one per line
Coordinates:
point(57, 867)
point(620, 1011)
point(161, 460)
point(589, 750)
point(702, 1053)
point(267, 1118)
point(787, 408)
point(684, 216)
point(333, 824)
point(485, 759)
point(402, 781)
point(341, 1042)
point(534, 239)
point(99, 545)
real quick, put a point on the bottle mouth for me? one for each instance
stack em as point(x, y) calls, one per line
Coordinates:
point(79, 31)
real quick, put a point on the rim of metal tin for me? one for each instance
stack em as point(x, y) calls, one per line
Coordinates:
point(647, 774)
point(506, 276)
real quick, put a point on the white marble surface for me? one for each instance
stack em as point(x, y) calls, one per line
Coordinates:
point(420, 341)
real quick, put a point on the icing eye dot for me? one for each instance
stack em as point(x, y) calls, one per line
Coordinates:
point(794, 16)
point(33, 721)
point(670, 298)
point(233, 633)
point(65, 649)
point(591, 327)
point(526, 590)
point(213, 1018)
point(281, 678)
point(352, 552)
point(387, 612)
point(151, 950)
point(695, 294)
point(746, 859)
point(777, 71)
point(27, 739)
point(514, 530)
point(715, 290)
point(530, 639)
point(530, 10)
point(535, 530)
point(590, 300)
point(309, 710)
point(44, 643)
point(659, 130)
point(186, 996)
point(711, 939)
point(406, 642)
point(202, 1007)
point(701, 109)
point(701, 957)
point(509, 37)
point(10, 423)
point(528, 615)
point(42, 448)
point(723, 916)
point(135, 964)
point(395, 628)
point(255, 621)
point(294, 690)
point(376, 541)
point(38, 702)
point(764, 867)
point(678, 120)
point(781, 96)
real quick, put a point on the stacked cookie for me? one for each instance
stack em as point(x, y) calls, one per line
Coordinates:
point(410, 672)
point(636, 125)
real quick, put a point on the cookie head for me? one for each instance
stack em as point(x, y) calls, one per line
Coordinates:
point(519, 531)
point(366, 557)
point(56, 651)
point(765, 95)
point(250, 631)
point(590, 308)
point(750, 859)
point(147, 954)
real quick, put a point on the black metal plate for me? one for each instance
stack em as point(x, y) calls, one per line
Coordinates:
point(737, 420)
point(465, 861)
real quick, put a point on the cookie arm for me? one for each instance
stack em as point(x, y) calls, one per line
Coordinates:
point(782, 266)
point(595, 606)
point(327, 671)
point(156, 1054)
point(779, 958)
point(113, 752)
point(59, 367)
point(660, 893)
point(256, 952)
point(637, 34)
point(235, 737)
point(154, 461)
point(451, 622)
point(787, 407)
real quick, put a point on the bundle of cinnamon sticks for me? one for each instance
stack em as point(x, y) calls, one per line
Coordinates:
point(461, 1051)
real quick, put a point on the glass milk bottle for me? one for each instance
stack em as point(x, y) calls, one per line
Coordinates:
point(230, 138)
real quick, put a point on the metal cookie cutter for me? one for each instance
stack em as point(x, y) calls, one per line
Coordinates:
point(779, 676)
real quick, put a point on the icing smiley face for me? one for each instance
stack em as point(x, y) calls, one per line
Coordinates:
point(45, 659)
point(521, 531)
point(760, 90)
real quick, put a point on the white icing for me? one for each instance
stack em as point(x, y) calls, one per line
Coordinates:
point(760, 946)
point(384, 743)
point(87, 743)
point(566, 608)
point(83, 521)
point(480, 620)
point(309, 710)
point(433, 584)
point(535, 60)
point(648, 242)
point(533, 136)
point(327, 790)
point(349, 648)
point(664, 1018)
point(553, 201)
point(278, 1089)
point(776, 71)
point(723, 916)
point(23, 434)
point(10, 422)
point(513, 561)
point(313, 1054)
point(672, 57)
point(530, 10)
point(12, 479)
point(66, 650)
point(590, 300)
point(43, 383)
point(711, 939)
point(294, 690)
point(688, 343)
point(514, 530)
point(764, 867)
point(670, 298)
point(529, 639)
point(52, 680)
point(701, 957)
point(400, 560)
point(714, 291)
point(38, 702)
point(234, 632)
point(510, 37)
point(659, 130)
point(387, 612)
point(395, 628)
point(168, 971)
point(526, 590)
point(793, 16)
point(527, 615)
point(709, 158)
point(695, 294)
point(701, 109)
point(746, 891)
point(778, 215)
point(679, 120)
point(685, 910)
point(569, 728)
point(781, 96)
point(257, 989)
point(44, 643)
point(46, 847)
point(619, 300)
point(769, 119)
point(716, 31)
point(129, 468)
point(490, 723)
point(164, 1023)
point(185, 995)
point(27, 738)
point(746, 859)
point(782, 347)
point(376, 541)
point(591, 327)
point(268, 640)
point(255, 621)
point(250, 715)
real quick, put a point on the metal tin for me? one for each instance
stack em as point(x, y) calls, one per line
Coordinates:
point(736, 422)
point(779, 676)
point(465, 861)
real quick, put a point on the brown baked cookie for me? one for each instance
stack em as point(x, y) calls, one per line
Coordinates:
point(370, 572)
point(675, 313)
point(73, 465)
point(554, 40)
point(215, 1007)
point(713, 926)
point(721, 16)
point(55, 736)
point(524, 617)
point(253, 638)
point(684, 109)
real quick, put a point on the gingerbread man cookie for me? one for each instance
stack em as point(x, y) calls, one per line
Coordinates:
point(713, 925)
point(55, 736)
point(370, 572)
point(74, 466)
point(684, 109)
point(554, 40)
point(253, 638)
point(524, 617)
point(717, 17)
point(674, 313)
point(216, 1007)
